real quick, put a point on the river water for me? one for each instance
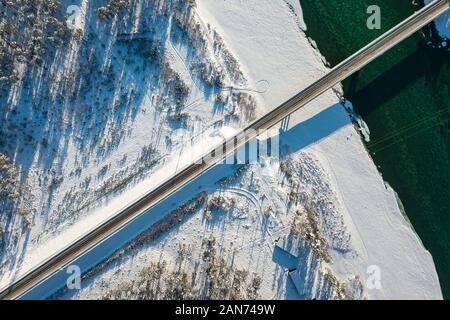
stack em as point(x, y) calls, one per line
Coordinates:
point(404, 97)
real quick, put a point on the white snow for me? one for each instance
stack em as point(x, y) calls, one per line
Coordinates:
point(56, 224)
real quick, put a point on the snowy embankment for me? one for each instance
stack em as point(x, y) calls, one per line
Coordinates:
point(442, 23)
point(281, 54)
point(325, 186)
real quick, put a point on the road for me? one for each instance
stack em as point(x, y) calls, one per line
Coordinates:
point(186, 175)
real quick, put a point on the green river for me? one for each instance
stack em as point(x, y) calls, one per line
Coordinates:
point(404, 97)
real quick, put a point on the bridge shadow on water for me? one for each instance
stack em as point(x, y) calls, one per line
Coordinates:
point(424, 62)
point(407, 108)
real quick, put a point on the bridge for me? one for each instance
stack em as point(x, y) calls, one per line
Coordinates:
point(337, 74)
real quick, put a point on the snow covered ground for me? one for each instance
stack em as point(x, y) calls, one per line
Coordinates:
point(324, 169)
point(135, 107)
point(317, 223)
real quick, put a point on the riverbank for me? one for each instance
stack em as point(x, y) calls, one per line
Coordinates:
point(404, 98)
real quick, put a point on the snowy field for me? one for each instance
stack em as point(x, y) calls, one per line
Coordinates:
point(138, 99)
point(319, 222)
